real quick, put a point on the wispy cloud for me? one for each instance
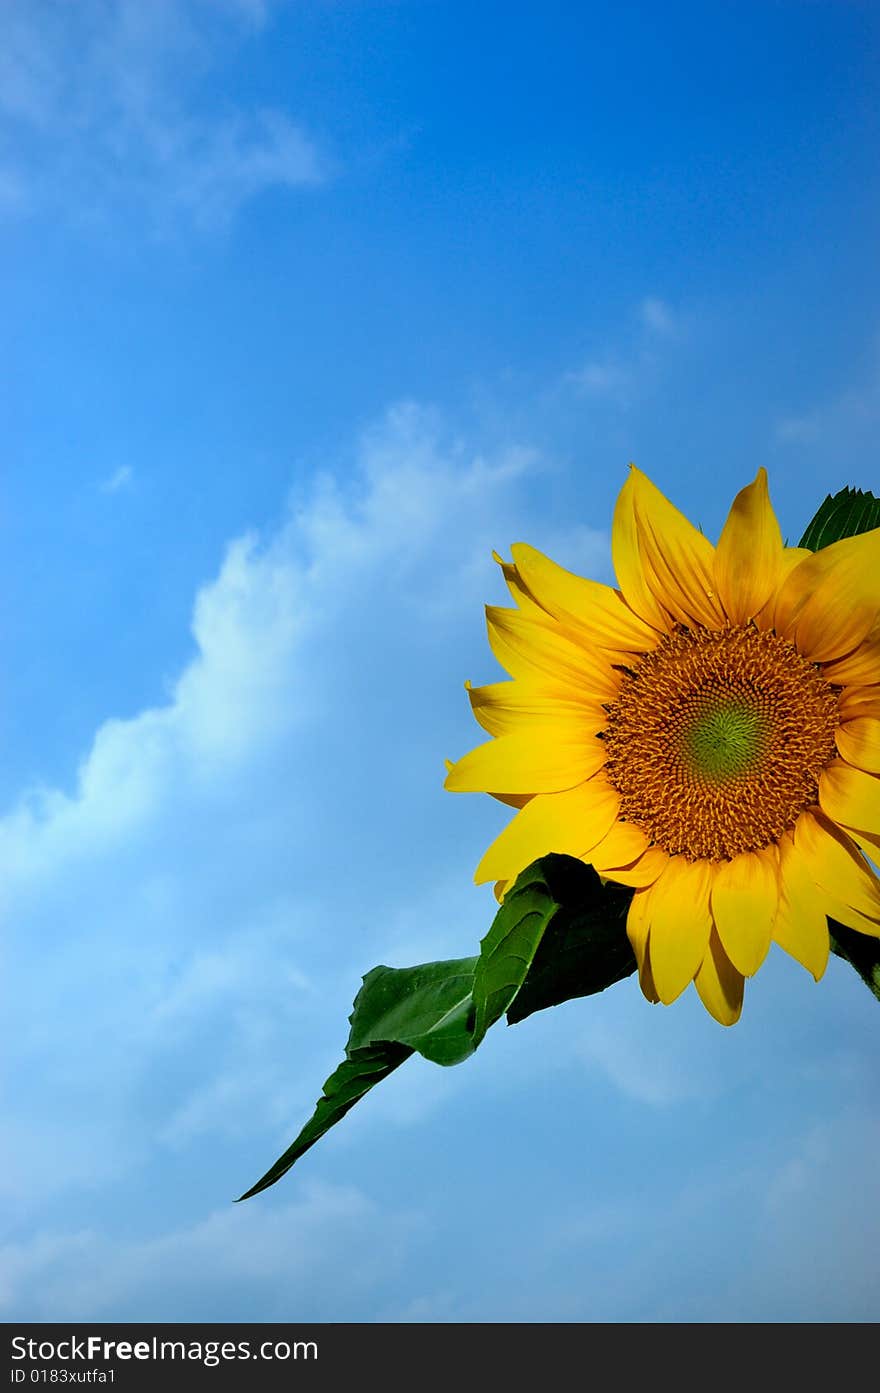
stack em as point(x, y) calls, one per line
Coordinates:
point(798, 430)
point(328, 1247)
point(222, 840)
point(619, 374)
point(121, 478)
point(657, 316)
point(648, 1065)
point(269, 601)
point(103, 115)
point(848, 420)
point(602, 378)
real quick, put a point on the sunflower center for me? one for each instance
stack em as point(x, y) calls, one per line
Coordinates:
point(716, 740)
point(725, 739)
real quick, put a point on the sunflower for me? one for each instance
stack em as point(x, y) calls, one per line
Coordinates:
point(707, 733)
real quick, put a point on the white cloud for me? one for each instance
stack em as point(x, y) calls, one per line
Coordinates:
point(623, 372)
point(847, 420)
point(327, 1248)
point(797, 430)
point(187, 889)
point(185, 928)
point(254, 12)
point(254, 626)
point(754, 1229)
point(101, 117)
point(648, 1064)
point(600, 378)
point(13, 195)
point(770, 1232)
point(121, 478)
point(820, 1225)
point(657, 316)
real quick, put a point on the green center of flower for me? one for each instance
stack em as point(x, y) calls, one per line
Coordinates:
point(725, 740)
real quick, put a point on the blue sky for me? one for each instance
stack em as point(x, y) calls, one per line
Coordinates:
point(306, 308)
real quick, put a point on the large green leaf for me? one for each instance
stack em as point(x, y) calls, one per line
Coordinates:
point(846, 514)
point(584, 948)
point(426, 1007)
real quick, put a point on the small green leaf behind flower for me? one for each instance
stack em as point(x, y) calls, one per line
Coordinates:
point(845, 514)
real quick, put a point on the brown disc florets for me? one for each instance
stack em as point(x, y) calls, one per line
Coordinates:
point(716, 740)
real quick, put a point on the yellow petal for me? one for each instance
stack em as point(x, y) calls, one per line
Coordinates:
point(859, 743)
point(745, 896)
point(829, 603)
point(530, 648)
point(861, 667)
point(801, 927)
point(680, 924)
point(543, 759)
point(855, 702)
point(646, 980)
point(792, 593)
point(627, 559)
point(869, 842)
point(524, 601)
point(719, 984)
point(749, 553)
point(678, 561)
point(850, 796)
point(512, 800)
point(503, 708)
point(570, 823)
point(641, 872)
point(598, 610)
point(637, 926)
point(622, 844)
point(835, 863)
point(637, 933)
point(852, 918)
point(791, 557)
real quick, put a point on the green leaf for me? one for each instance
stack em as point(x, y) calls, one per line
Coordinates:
point(355, 1076)
point(426, 1007)
point(846, 514)
point(861, 951)
point(584, 948)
